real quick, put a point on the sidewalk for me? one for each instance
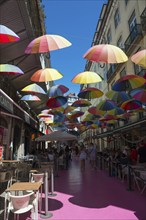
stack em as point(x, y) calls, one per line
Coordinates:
point(93, 195)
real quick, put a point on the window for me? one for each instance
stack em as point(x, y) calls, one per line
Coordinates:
point(123, 72)
point(132, 21)
point(120, 42)
point(117, 18)
point(109, 36)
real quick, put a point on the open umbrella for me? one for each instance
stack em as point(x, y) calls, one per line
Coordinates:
point(93, 110)
point(90, 93)
point(116, 111)
point(55, 102)
point(131, 105)
point(128, 82)
point(81, 103)
point(139, 58)
point(46, 43)
point(76, 114)
point(139, 94)
point(30, 98)
point(33, 88)
point(106, 105)
point(69, 109)
point(106, 53)
point(7, 35)
point(46, 75)
point(10, 69)
point(118, 97)
point(86, 77)
point(57, 90)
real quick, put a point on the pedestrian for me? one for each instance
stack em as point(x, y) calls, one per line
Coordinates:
point(82, 157)
point(92, 152)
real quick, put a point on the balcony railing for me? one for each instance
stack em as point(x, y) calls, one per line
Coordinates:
point(133, 36)
point(111, 71)
point(143, 20)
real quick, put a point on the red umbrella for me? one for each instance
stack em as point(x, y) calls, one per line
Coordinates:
point(7, 35)
point(131, 105)
point(93, 110)
point(139, 94)
point(56, 102)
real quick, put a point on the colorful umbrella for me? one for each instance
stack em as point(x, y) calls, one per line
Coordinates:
point(139, 94)
point(108, 117)
point(131, 105)
point(57, 90)
point(139, 58)
point(118, 97)
point(46, 75)
point(90, 93)
point(46, 43)
point(106, 105)
point(33, 88)
point(106, 53)
point(56, 102)
point(10, 69)
point(116, 111)
point(30, 98)
point(7, 35)
point(86, 78)
point(81, 103)
point(69, 109)
point(128, 82)
point(93, 110)
point(76, 114)
point(44, 115)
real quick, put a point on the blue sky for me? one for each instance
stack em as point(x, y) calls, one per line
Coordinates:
point(75, 20)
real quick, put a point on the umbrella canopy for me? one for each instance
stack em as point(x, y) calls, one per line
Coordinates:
point(30, 98)
point(131, 105)
point(139, 94)
point(106, 53)
point(7, 35)
point(90, 93)
point(118, 97)
point(93, 110)
point(86, 77)
point(57, 90)
point(69, 109)
point(139, 58)
point(116, 111)
point(56, 102)
point(44, 115)
point(33, 88)
point(81, 103)
point(57, 136)
point(10, 69)
point(108, 117)
point(46, 75)
point(106, 105)
point(46, 43)
point(76, 114)
point(128, 82)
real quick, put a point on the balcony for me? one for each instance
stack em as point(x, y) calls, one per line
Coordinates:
point(133, 37)
point(143, 20)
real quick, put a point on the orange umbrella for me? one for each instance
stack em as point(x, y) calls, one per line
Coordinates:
point(139, 58)
point(46, 75)
point(106, 53)
point(46, 43)
point(86, 77)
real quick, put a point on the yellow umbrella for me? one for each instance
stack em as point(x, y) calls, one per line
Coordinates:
point(46, 75)
point(33, 88)
point(139, 58)
point(86, 77)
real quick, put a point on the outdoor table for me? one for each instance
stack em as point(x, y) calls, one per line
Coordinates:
point(24, 186)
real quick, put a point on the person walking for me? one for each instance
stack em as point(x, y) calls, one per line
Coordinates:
point(82, 157)
point(92, 155)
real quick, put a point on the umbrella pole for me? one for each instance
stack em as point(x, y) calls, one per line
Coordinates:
point(52, 182)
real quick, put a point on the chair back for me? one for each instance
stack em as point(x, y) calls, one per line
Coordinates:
point(19, 202)
point(38, 177)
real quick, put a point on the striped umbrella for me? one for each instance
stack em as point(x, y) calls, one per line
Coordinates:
point(7, 35)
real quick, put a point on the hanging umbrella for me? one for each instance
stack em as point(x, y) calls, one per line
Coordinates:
point(90, 93)
point(44, 115)
point(33, 88)
point(10, 69)
point(131, 105)
point(139, 94)
point(81, 103)
point(56, 102)
point(118, 97)
point(106, 53)
point(108, 117)
point(30, 98)
point(76, 114)
point(139, 58)
point(86, 77)
point(128, 82)
point(116, 111)
point(106, 105)
point(93, 110)
point(7, 35)
point(57, 90)
point(69, 109)
point(46, 43)
point(46, 75)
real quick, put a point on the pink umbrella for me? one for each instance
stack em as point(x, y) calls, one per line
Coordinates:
point(139, 58)
point(131, 105)
point(7, 35)
point(46, 43)
point(106, 53)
